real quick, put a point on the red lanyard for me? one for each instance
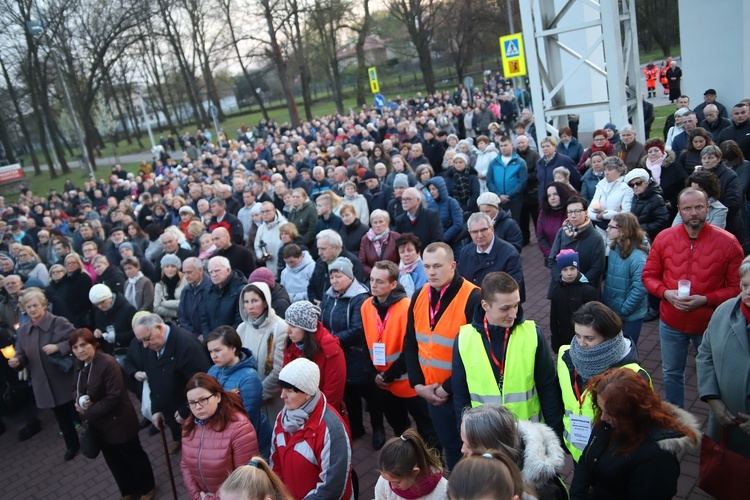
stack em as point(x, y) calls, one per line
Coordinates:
point(579, 395)
point(500, 365)
point(434, 312)
point(381, 324)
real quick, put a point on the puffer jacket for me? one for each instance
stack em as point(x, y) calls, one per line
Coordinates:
point(590, 247)
point(266, 341)
point(331, 362)
point(711, 262)
point(624, 292)
point(589, 182)
point(220, 304)
point(209, 456)
point(543, 457)
point(451, 215)
point(167, 309)
point(574, 149)
point(509, 179)
point(341, 315)
point(672, 178)
point(545, 167)
point(615, 197)
point(651, 210)
point(242, 378)
point(296, 279)
point(484, 159)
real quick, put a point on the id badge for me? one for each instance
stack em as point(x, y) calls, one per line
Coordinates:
point(378, 354)
point(580, 430)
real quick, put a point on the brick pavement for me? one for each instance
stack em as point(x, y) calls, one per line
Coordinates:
point(35, 469)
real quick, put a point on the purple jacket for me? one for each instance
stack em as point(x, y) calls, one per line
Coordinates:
point(546, 229)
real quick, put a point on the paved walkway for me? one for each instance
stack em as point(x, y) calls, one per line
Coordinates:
point(35, 469)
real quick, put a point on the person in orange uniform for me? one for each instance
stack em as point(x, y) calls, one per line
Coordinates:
point(651, 72)
point(436, 313)
point(384, 317)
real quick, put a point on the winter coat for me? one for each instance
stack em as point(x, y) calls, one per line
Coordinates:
point(738, 133)
point(51, 388)
point(451, 215)
point(331, 362)
point(111, 413)
point(305, 218)
point(266, 341)
point(120, 317)
point(507, 229)
point(232, 224)
point(220, 304)
point(242, 378)
point(631, 155)
point(573, 150)
point(426, 226)
point(566, 299)
point(360, 207)
point(624, 292)
point(469, 204)
point(71, 290)
point(113, 278)
point(392, 177)
point(268, 233)
point(240, 258)
point(509, 179)
point(341, 315)
point(379, 197)
point(352, 235)
point(542, 459)
point(590, 247)
point(733, 198)
point(320, 281)
point(190, 310)
point(484, 159)
point(167, 308)
point(296, 279)
point(711, 262)
point(723, 366)
point(144, 294)
point(315, 461)
point(209, 456)
point(368, 256)
point(651, 210)
point(651, 471)
point(531, 193)
point(615, 197)
point(544, 169)
point(547, 226)
point(474, 266)
point(589, 181)
point(672, 178)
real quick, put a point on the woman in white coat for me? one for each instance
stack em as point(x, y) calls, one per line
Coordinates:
point(612, 196)
point(168, 290)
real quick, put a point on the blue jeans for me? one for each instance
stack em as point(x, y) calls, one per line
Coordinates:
point(444, 421)
point(674, 350)
point(632, 330)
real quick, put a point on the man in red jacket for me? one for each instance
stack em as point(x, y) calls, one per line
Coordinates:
point(706, 257)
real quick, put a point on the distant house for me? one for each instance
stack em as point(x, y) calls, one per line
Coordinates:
point(376, 52)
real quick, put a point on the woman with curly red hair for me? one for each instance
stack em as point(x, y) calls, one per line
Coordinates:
point(636, 443)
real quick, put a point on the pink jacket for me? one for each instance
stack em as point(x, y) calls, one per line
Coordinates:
point(208, 456)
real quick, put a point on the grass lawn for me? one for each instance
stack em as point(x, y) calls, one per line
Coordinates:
point(657, 55)
point(41, 184)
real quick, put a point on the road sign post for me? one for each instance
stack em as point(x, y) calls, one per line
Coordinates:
point(511, 50)
point(374, 85)
point(379, 101)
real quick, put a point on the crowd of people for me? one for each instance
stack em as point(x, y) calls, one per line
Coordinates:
point(260, 296)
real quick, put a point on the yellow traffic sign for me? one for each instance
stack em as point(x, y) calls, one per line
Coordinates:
point(511, 50)
point(373, 74)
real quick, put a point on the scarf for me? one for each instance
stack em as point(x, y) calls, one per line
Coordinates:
point(595, 360)
point(130, 289)
point(594, 148)
point(170, 285)
point(656, 167)
point(25, 268)
point(421, 488)
point(257, 323)
point(293, 420)
point(462, 189)
point(746, 311)
point(378, 240)
point(404, 269)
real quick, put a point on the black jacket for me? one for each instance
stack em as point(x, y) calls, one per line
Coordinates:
point(427, 226)
point(733, 198)
point(240, 258)
point(378, 198)
point(280, 300)
point(320, 280)
point(352, 236)
point(232, 224)
point(715, 128)
point(221, 305)
point(507, 229)
point(113, 278)
point(503, 256)
point(73, 290)
point(120, 317)
point(739, 134)
point(567, 298)
point(651, 210)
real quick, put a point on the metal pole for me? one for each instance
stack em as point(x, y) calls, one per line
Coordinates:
point(145, 117)
point(510, 32)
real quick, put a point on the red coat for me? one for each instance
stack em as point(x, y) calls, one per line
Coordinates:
point(330, 360)
point(711, 262)
point(651, 72)
point(315, 460)
point(368, 256)
point(208, 456)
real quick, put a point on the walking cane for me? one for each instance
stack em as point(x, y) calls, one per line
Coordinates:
point(169, 461)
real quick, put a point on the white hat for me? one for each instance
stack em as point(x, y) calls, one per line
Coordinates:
point(303, 374)
point(636, 173)
point(99, 293)
point(488, 198)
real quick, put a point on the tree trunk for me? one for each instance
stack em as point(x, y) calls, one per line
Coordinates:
point(304, 72)
point(362, 78)
point(281, 66)
point(132, 115)
point(7, 143)
point(120, 114)
point(21, 122)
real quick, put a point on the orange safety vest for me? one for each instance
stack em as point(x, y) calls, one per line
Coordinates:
point(394, 331)
point(436, 346)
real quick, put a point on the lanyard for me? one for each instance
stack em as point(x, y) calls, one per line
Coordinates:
point(434, 312)
point(499, 364)
point(381, 324)
point(579, 395)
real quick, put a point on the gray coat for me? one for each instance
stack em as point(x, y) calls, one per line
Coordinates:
point(51, 388)
point(723, 365)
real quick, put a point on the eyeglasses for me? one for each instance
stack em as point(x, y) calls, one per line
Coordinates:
point(575, 212)
point(610, 226)
point(475, 232)
point(636, 183)
point(200, 402)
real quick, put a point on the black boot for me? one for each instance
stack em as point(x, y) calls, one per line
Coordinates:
point(33, 426)
point(378, 438)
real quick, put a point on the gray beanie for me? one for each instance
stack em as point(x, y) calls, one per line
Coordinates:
point(303, 374)
point(303, 314)
point(126, 244)
point(488, 198)
point(401, 180)
point(343, 265)
point(170, 260)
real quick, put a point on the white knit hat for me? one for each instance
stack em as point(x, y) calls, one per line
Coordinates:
point(488, 198)
point(302, 374)
point(99, 293)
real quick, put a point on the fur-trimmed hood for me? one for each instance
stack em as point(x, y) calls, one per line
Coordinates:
point(675, 442)
point(543, 455)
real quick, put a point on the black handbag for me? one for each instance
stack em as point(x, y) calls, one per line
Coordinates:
point(90, 444)
point(64, 364)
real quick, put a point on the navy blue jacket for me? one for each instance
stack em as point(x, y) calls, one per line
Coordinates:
point(451, 215)
point(503, 256)
point(544, 172)
point(220, 304)
point(190, 310)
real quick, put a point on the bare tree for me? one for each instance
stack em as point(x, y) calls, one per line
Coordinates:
point(327, 19)
point(419, 17)
point(363, 31)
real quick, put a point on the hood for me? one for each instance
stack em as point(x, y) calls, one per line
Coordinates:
point(675, 442)
point(354, 289)
point(307, 260)
point(397, 294)
point(247, 360)
point(542, 454)
point(439, 183)
point(652, 189)
point(266, 296)
point(478, 320)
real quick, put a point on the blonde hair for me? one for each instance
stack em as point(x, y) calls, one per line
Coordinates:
point(255, 482)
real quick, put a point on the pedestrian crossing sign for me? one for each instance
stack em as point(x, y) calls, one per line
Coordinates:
point(511, 50)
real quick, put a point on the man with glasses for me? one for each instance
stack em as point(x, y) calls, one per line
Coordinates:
point(423, 222)
point(169, 358)
point(487, 254)
point(708, 258)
